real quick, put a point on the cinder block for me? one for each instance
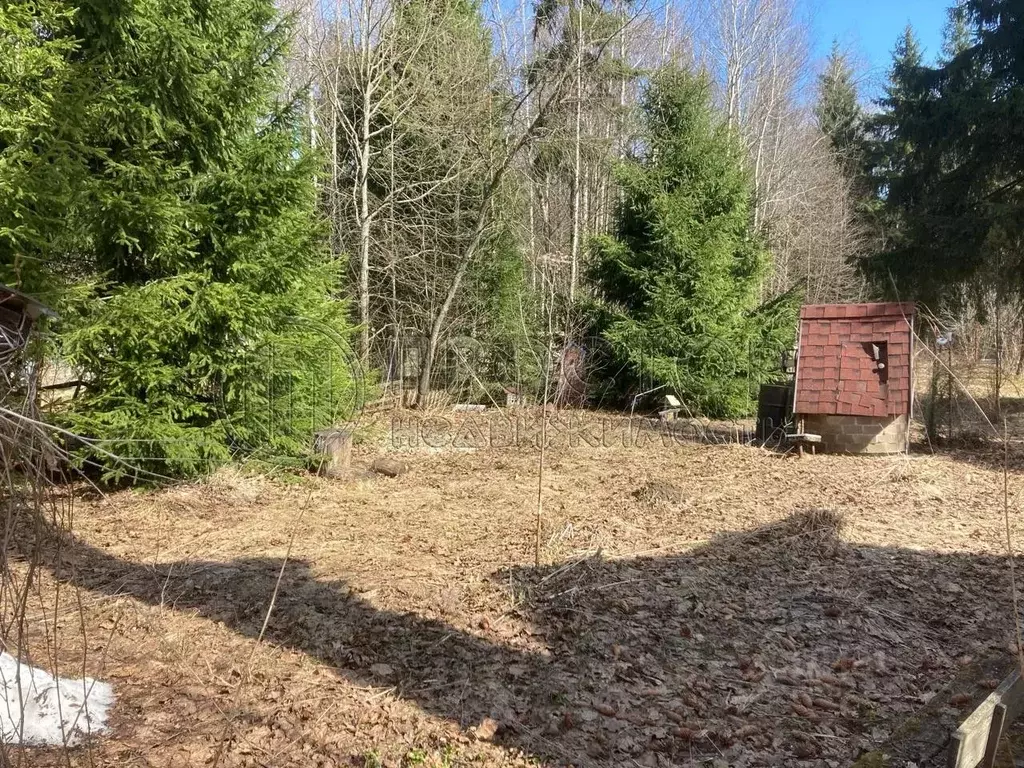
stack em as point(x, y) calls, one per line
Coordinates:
point(859, 433)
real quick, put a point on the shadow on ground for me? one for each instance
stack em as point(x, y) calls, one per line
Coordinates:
point(783, 645)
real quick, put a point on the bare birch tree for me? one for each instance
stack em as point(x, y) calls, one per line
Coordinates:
point(804, 205)
point(363, 65)
point(444, 151)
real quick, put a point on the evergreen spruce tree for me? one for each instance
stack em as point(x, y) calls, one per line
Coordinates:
point(212, 328)
point(956, 36)
point(678, 281)
point(972, 205)
point(38, 151)
point(838, 112)
point(950, 163)
point(895, 165)
point(905, 95)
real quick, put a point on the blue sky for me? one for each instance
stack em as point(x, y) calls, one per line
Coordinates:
point(869, 28)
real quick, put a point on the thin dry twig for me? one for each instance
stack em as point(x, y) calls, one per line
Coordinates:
point(1009, 549)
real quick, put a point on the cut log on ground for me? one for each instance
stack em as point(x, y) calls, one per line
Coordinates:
point(389, 467)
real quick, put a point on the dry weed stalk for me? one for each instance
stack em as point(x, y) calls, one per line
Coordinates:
point(37, 518)
point(541, 460)
point(1009, 548)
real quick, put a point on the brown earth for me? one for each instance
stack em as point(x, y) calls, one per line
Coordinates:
point(694, 604)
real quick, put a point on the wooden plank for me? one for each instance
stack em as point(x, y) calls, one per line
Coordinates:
point(970, 743)
point(970, 740)
point(995, 732)
point(1011, 703)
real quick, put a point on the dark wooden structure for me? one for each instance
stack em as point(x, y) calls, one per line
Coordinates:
point(774, 411)
point(18, 314)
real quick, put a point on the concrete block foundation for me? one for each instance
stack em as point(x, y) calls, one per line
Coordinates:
point(859, 434)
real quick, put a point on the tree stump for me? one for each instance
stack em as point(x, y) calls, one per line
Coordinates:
point(336, 446)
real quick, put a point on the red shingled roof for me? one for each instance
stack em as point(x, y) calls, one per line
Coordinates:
point(854, 359)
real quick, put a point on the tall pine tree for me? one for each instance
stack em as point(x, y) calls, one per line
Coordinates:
point(838, 112)
point(956, 35)
point(952, 162)
point(211, 328)
point(39, 151)
point(679, 280)
point(895, 165)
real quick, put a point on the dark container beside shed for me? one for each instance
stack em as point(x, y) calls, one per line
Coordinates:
point(774, 411)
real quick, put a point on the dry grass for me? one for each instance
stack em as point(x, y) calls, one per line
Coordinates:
point(695, 602)
point(972, 415)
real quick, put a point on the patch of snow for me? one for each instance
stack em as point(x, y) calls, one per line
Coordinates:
point(39, 710)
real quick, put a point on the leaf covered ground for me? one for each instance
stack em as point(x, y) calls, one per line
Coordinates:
point(695, 604)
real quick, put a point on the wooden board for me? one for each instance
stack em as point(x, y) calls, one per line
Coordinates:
point(974, 743)
point(806, 437)
point(970, 741)
point(1011, 702)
